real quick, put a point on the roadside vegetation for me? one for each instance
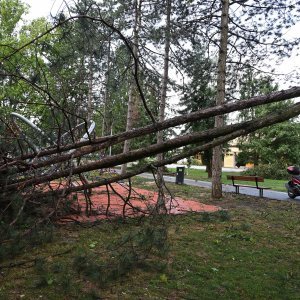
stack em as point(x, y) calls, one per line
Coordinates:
point(249, 250)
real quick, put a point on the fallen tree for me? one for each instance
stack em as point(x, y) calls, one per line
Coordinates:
point(104, 142)
point(209, 138)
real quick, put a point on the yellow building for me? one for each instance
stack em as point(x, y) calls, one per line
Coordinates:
point(230, 156)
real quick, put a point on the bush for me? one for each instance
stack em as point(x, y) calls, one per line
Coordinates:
point(242, 159)
point(268, 171)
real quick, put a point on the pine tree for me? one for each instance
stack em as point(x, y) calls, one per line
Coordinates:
point(199, 93)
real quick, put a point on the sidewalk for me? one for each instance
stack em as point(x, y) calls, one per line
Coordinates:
point(230, 189)
point(203, 168)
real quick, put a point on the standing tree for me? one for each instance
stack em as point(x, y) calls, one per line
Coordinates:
point(217, 160)
point(253, 32)
point(132, 111)
point(198, 94)
point(163, 97)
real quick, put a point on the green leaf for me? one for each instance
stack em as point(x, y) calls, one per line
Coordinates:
point(92, 245)
point(163, 278)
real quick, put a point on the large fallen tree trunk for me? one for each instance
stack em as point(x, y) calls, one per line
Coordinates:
point(105, 142)
point(145, 168)
point(223, 134)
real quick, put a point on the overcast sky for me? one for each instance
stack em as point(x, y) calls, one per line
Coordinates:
point(43, 8)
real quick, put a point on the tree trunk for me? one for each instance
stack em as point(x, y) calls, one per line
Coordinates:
point(106, 121)
point(207, 159)
point(132, 109)
point(162, 105)
point(217, 160)
point(90, 92)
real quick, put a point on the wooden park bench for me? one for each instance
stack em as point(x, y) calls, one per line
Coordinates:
point(255, 179)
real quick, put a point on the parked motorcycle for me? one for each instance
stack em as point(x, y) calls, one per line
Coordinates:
point(293, 186)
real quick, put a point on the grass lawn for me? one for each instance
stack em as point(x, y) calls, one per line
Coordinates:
point(201, 175)
point(250, 250)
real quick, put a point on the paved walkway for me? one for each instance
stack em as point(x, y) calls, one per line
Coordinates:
point(228, 188)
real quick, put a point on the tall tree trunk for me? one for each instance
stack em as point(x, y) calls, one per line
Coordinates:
point(106, 121)
point(217, 160)
point(162, 103)
point(90, 91)
point(207, 160)
point(132, 110)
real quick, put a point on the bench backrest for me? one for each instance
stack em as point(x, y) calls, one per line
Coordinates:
point(246, 178)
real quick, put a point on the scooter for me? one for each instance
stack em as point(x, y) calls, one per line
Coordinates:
point(293, 186)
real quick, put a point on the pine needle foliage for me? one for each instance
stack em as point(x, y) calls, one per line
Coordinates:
point(139, 248)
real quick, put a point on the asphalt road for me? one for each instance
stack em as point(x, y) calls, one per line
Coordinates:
point(228, 188)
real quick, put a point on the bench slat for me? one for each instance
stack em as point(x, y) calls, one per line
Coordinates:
point(246, 178)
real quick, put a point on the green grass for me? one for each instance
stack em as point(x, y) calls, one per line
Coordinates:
point(248, 251)
point(201, 175)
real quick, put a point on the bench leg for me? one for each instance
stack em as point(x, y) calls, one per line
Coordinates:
point(237, 189)
point(261, 193)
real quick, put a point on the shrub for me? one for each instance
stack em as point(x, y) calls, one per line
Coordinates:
point(268, 171)
point(196, 162)
point(242, 159)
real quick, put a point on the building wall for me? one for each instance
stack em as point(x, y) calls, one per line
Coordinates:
point(230, 157)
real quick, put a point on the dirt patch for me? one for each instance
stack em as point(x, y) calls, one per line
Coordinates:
point(121, 201)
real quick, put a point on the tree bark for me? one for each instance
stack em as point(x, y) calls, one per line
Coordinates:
point(162, 103)
point(90, 92)
point(207, 160)
point(217, 160)
point(106, 121)
point(132, 109)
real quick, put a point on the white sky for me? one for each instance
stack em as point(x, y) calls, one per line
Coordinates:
point(43, 8)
